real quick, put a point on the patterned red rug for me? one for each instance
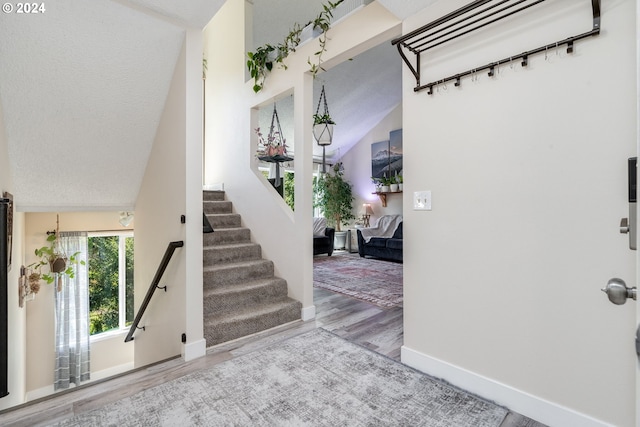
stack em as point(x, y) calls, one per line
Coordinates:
point(372, 280)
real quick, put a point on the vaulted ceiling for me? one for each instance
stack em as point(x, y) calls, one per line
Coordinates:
point(83, 85)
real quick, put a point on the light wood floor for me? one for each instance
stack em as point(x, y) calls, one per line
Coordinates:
point(378, 329)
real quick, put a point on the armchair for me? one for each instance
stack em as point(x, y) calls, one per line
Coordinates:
point(322, 237)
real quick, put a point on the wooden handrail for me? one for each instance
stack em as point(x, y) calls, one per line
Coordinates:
point(154, 285)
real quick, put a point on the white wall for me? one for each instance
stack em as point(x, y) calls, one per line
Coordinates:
point(16, 315)
point(172, 187)
point(528, 172)
point(357, 166)
point(107, 354)
point(230, 143)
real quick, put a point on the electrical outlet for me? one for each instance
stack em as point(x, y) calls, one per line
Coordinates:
point(422, 201)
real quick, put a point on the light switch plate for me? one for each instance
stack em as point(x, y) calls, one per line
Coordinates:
point(422, 201)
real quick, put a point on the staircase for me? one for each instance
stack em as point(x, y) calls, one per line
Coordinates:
point(241, 294)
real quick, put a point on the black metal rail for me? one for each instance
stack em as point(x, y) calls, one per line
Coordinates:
point(467, 19)
point(154, 285)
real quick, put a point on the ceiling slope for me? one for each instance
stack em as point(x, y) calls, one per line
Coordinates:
point(82, 87)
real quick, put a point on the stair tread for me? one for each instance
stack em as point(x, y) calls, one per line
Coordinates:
point(242, 286)
point(251, 311)
point(230, 245)
point(236, 264)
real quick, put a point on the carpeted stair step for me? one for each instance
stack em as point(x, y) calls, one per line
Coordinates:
point(217, 207)
point(227, 220)
point(249, 320)
point(227, 298)
point(224, 236)
point(226, 274)
point(241, 294)
point(231, 253)
point(209, 195)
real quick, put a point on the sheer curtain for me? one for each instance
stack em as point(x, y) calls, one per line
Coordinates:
point(72, 316)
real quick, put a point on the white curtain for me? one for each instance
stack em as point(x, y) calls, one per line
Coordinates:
point(72, 316)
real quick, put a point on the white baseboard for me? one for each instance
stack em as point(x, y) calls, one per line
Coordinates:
point(308, 313)
point(193, 350)
point(541, 410)
point(95, 376)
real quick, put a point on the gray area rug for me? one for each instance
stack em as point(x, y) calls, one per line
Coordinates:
point(314, 379)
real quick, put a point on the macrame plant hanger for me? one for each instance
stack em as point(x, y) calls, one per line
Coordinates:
point(323, 131)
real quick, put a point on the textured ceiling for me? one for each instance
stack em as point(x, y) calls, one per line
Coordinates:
point(82, 88)
point(83, 85)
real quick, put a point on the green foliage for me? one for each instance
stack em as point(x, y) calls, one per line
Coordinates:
point(322, 22)
point(289, 189)
point(52, 254)
point(104, 283)
point(334, 197)
point(261, 62)
point(319, 119)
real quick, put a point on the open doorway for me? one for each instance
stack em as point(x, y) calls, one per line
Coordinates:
point(360, 297)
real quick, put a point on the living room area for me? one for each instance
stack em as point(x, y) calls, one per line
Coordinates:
point(357, 263)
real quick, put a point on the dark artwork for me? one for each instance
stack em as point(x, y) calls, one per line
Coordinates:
point(395, 152)
point(379, 158)
point(386, 156)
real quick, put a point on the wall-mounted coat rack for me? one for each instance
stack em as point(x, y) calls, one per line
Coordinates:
point(467, 19)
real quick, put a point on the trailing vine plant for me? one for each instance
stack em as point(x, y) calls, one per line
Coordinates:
point(261, 62)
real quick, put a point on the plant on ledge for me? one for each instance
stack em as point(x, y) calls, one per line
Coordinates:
point(334, 197)
point(261, 62)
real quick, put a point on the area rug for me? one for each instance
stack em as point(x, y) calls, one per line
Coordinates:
point(313, 379)
point(372, 280)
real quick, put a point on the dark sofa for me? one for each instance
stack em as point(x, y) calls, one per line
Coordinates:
point(382, 247)
point(324, 244)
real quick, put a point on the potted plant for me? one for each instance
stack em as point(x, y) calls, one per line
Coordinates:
point(393, 184)
point(378, 183)
point(57, 262)
point(334, 197)
point(323, 128)
point(384, 184)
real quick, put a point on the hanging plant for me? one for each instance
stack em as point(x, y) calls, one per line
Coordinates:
point(322, 122)
point(261, 62)
point(274, 144)
point(55, 260)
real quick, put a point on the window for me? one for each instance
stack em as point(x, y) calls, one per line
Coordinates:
point(110, 265)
